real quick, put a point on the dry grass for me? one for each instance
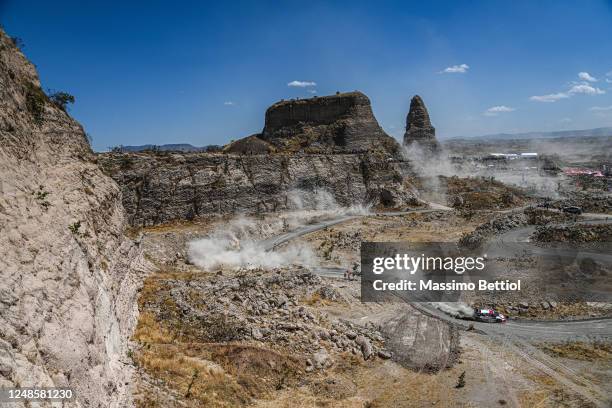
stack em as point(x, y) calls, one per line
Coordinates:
point(218, 375)
point(315, 299)
point(186, 362)
point(549, 394)
point(195, 381)
point(149, 331)
point(597, 351)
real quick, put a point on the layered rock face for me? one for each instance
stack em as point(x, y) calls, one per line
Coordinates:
point(419, 131)
point(67, 280)
point(165, 187)
point(337, 123)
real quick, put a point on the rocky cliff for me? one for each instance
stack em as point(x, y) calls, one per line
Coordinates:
point(338, 123)
point(419, 130)
point(164, 187)
point(67, 287)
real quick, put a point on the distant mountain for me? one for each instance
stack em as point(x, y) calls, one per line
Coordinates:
point(597, 132)
point(174, 147)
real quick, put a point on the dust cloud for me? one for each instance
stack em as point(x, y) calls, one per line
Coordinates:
point(239, 243)
point(454, 309)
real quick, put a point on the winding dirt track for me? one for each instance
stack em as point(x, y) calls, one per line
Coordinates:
point(516, 335)
point(530, 330)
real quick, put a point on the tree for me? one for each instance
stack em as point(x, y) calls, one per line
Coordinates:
point(17, 42)
point(61, 99)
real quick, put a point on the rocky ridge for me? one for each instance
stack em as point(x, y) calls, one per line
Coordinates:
point(68, 275)
point(159, 188)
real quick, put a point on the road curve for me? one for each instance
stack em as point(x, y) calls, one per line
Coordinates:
point(529, 330)
point(514, 335)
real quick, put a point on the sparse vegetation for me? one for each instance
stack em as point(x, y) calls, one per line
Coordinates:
point(41, 196)
point(461, 381)
point(478, 193)
point(74, 227)
point(61, 99)
point(17, 42)
point(577, 350)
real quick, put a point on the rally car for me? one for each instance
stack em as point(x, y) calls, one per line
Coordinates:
point(489, 316)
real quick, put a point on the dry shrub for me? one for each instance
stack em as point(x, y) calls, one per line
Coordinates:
point(313, 299)
point(149, 330)
point(257, 369)
point(581, 351)
point(196, 380)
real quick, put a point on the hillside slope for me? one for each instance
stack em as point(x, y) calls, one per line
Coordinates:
point(67, 274)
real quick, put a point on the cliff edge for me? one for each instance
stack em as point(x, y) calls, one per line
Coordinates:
point(329, 124)
point(67, 275)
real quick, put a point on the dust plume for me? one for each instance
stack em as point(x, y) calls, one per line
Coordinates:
point(239, 243)
point(454, 309)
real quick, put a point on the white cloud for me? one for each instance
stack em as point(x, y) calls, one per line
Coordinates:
point(301, 84)
point(576, 87)
point(496, 110)
point(566, 120)
point(229, 103)
point(601, 108)
point(585, 76)
point(456, 69)
point(550, 97)
point(585, 88)
point(312, 91)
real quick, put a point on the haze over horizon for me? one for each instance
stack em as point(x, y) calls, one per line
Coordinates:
point(146, 73)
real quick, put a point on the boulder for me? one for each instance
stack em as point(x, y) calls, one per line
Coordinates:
point(321, 359)
point(366, 347)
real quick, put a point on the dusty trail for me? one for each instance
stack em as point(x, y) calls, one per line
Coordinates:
point(530, 330)
point(517, 335)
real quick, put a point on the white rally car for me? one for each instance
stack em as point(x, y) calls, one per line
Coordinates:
point(489, 316)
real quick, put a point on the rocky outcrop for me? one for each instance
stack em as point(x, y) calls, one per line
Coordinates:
point(249, 145)
point(419, 131)
point(431, 347)
point(338, 123)
point(67, 280)
point(165, 187)
point(331, 145)
point(574, 233)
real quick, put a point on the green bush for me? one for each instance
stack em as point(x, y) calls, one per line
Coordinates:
point(74, 227)
point(41, 197)
point(61, 99)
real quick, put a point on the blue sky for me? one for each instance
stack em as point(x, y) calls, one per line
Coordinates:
point(204, 73)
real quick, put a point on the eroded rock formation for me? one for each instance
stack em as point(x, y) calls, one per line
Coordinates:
point(338, 123)
point(67, 280)
point(331, 144)
point(419, 131)
point(173, 186)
